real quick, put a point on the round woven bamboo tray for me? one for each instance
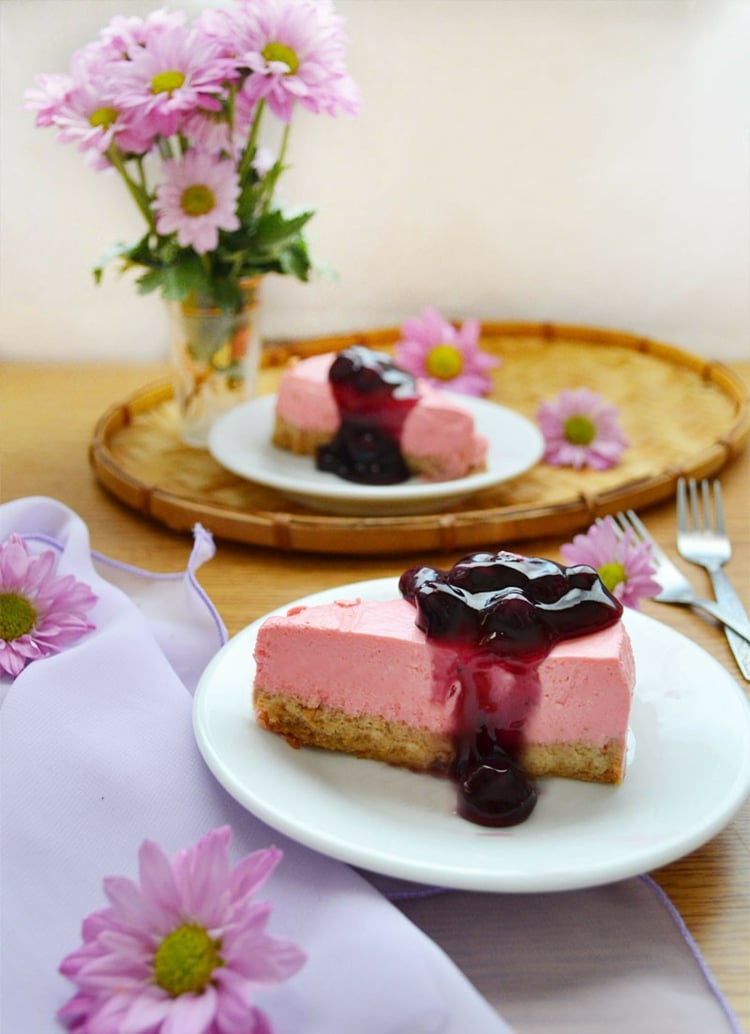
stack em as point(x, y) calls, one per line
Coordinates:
point(683, 416)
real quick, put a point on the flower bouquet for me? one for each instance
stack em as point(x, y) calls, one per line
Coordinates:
point(177, 109)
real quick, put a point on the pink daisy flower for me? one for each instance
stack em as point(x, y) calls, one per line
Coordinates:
point(435, 351)
point(294, 50)
point(212, 131)
point(626, 567)
point(85, 107)
point(47, 97)
point(581, 429)
point(40, 612)
point(126, 34)
point(197, 200)
point(183, 949)
point(207, 131)
point(175, 71)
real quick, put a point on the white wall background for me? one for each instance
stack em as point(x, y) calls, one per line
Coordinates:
point(568, 160)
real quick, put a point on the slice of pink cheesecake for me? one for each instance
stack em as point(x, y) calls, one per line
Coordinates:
point(360, 677)
point(438, 440)
point(498, 671)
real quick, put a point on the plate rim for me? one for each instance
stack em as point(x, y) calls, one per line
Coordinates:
point(394, 865)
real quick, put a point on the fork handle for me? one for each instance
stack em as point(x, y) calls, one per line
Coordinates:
point(742, 628)
point(727, 598)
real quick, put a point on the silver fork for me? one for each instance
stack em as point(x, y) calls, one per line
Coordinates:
point(675, 588)
point(703, 540)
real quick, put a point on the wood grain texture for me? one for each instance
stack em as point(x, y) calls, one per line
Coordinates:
point(47, 418)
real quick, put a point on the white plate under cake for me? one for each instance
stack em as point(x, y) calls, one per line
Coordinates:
point(240, 440)
point(688, 772)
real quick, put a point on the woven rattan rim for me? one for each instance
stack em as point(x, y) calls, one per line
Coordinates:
point(685, 415)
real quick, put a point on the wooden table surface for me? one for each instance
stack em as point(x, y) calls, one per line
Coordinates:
point(47, 417)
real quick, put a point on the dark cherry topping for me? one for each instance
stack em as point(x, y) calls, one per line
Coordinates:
point(374, 397)
point(518, 607)
point(502, 610)
point(493, 789)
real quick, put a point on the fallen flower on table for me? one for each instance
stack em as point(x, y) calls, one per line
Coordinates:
point(445, 356)
point(581, 429)
point(183, 949)
point(625, 566)
point(40, 612)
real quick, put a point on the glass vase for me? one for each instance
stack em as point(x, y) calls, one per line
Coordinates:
point(215, 357)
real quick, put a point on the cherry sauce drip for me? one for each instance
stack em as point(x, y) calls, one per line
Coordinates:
point(507, 611)
point(374, 397)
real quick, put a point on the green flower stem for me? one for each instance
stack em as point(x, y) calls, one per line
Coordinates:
point(231, 108)
point(142, 181)
point(272, 178)
point(165, 149)
point(138, 193)
point(248, 154)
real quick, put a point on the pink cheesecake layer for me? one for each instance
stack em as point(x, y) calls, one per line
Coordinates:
point(319, 655)
point(587, 688)
point(439, 428)
point(369, 658)
point(304, 398)
point(435, 430)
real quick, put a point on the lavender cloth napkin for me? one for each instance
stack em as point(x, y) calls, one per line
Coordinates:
point(98, 754)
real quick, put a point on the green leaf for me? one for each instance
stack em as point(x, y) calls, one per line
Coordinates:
point(275, 228)
point(295, 260)
point(115, 251)
point(248, 203)
point(153, 280)
point(186, 274)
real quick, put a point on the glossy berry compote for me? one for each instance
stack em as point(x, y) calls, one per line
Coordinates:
point(374, 397)
point(502, 614)
point(493, 789)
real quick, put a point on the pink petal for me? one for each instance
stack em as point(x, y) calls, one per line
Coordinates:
point(203, 872)
point(127, 900)
point(158, 883)
point(15, 563)
point(252, 872)
point(147, 1011)
point(191, 1014)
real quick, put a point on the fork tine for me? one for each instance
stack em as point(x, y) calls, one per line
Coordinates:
point(638, 527)
point(719, 509)
point(706, 492)
point(618, 525)
point(682, 507)
point(622, 525)
point(695, 510)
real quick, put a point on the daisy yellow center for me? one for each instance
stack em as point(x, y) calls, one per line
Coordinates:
point(102, 118)
point(612, 574)
point(281, 52)
point(185, 960)
point(197, 200)
point(579, 430)
point(17, 616)
point(444, 362)
point(166, 82)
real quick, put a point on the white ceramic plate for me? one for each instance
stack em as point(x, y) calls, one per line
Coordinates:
point(688, 774)
point(240, 440)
